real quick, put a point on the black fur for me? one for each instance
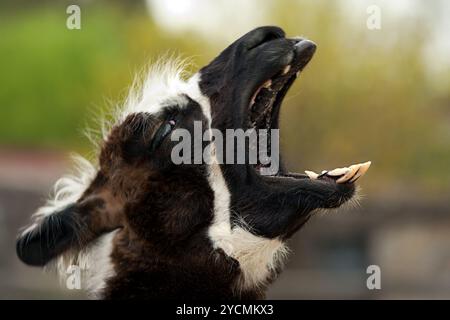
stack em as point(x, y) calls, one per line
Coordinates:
point(55, 234)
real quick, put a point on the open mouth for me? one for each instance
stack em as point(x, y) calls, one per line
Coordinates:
point(266, 101)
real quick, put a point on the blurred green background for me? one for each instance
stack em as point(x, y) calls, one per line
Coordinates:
point(368, 94)
point(380, 95)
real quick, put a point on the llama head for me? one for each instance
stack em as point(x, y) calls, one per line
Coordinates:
point(246, 85)
point(137, 186)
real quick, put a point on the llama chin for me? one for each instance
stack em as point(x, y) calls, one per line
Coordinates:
point(142, 226)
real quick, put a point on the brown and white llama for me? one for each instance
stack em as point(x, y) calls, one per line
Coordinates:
point(144, 227)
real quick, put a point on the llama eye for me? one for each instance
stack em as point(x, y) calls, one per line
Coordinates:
point(162, 132)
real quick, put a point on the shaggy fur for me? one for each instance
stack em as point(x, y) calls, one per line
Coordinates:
point(142, 227)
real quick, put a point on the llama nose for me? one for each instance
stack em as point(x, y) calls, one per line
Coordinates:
point(305, 47)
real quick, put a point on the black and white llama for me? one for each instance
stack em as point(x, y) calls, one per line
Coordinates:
point(144, 227)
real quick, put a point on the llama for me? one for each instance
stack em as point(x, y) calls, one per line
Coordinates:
point(144, 227)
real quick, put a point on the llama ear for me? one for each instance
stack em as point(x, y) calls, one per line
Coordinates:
point(49, 237)
point(71, 227)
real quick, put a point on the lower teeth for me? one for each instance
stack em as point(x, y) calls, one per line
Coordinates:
point(286, 69)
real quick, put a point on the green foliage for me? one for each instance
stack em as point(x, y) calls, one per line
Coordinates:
point(54, 80)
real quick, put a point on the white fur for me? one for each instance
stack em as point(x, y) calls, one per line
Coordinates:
point(258, 256)
point(96, 264)
point(162, 85)
point(163, 81)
